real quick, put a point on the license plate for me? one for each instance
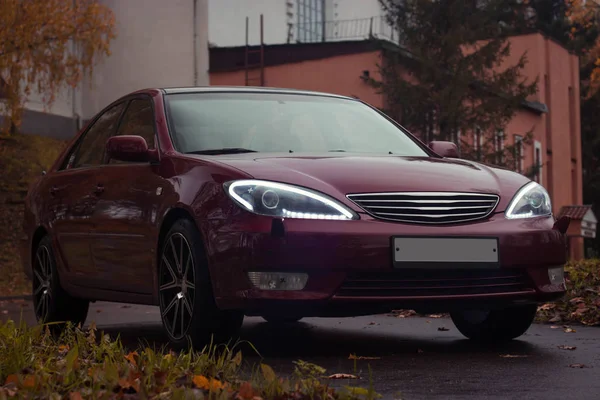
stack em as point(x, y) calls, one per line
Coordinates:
point(449, 251)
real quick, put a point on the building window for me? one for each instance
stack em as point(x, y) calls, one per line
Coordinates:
point(518, 153)
point(310, 20)
point(499, 147)
point(537, 160)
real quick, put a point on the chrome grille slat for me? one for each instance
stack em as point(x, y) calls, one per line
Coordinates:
point(427, 207)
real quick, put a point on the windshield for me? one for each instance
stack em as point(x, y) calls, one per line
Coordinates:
point(220, 123)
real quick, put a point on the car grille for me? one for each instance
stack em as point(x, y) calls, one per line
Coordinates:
point(428, 207)
point(428, 283)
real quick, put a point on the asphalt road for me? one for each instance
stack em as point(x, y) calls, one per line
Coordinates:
point(417, 361)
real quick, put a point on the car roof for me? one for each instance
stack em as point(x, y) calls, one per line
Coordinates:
point(248, 89)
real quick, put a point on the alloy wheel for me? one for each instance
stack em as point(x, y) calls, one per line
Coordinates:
point(42, 283)
point(177, 285)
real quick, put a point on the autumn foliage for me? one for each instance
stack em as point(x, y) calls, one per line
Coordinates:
point(583, 16)
point(46, 45)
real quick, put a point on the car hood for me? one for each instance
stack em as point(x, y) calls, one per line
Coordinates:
point(344, 173)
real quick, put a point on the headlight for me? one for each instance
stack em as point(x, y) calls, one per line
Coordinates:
point(532, 200)
point(287, 201)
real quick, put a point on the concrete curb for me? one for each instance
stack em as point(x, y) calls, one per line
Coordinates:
point(22, 297)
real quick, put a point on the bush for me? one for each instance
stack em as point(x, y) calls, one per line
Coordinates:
point(582, 301)
point(87, 364)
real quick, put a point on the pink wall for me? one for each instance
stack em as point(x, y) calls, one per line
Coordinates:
point(339, 75)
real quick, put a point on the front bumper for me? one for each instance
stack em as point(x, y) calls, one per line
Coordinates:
point(351, 271)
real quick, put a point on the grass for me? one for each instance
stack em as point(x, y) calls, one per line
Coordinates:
point(88, 364)
point(22, 159)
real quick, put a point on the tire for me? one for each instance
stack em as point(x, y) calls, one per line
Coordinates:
point(188, 309)
point(51, 304)
point(494, 325)
point(280, 319)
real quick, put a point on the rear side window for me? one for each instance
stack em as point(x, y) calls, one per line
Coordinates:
point(90, 150)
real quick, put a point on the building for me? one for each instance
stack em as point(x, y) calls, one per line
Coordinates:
point(337, 67)
point(160, 44)
point(291, 21)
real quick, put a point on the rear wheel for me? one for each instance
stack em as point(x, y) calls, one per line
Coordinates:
point(281, 319)
point(51, 303)
point(187, 306)
point(494, 325)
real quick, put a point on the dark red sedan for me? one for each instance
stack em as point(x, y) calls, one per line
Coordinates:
point(214, 203)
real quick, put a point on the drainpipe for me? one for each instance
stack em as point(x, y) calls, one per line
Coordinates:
point(195, 43)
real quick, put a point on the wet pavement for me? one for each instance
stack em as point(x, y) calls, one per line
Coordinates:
point(416, 360)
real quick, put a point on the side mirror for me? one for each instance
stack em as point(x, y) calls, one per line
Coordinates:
point(130, 148)
point(444, 149)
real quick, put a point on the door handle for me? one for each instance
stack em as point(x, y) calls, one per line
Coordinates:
point(99, 189)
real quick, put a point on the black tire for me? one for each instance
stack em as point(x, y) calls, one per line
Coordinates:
point(278, 319)
point(189, 313)
point(494, 325)
point(51, 304)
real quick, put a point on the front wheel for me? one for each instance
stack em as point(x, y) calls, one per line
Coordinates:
point(51, 303)
point(187, 305)
point(494, 325)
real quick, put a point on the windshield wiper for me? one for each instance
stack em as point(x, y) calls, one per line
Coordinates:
point(226, 150)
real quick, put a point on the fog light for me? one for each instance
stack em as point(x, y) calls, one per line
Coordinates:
point(278, 280)
point(556, 275)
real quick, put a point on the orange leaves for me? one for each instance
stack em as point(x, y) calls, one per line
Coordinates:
point(24, 381)
point(211, 384)
point(131, 358)
point(46, 45)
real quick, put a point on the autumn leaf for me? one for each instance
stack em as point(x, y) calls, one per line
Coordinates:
point(268, 373)
point(569, 330)
point(565, 347)
point(355, 357)
point(443, 329)
point(204, 383)
point(75, 396)
point(11, 379)
point(246, 391)
point(578, 366)
point(131, 357)
point(343, 376)
point(237, 360)
point(514, 356)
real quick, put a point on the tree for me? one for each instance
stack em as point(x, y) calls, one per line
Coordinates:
point(46, 45)
point(449, 75)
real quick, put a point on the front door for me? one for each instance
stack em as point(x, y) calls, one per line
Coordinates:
point(73, 191)
point(125, 233)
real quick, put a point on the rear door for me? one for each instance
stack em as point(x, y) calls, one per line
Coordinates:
point(73, 197)
point(124, 238)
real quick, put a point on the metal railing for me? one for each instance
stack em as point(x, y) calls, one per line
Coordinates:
point(340, 30)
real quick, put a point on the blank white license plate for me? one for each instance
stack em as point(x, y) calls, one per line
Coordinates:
point(445, 250)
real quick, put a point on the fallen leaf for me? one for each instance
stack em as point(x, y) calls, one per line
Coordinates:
point(513, 355)
point(237, 360)
point(578, 366)
point(547, 306)
point(75, 396)
point(570, 330)
point(11, 379)
point(355, 357)
point(372, 323)
point(29, 381)
point(343, 376)
point(556, 318)
point(246, 391)
point(268, 373)
point(554, 327)
point(125, 306)
point(435, 315)
point(404, 313)
point(131, 357)
point(203, 382)
point(575, 300)
point(443, 329)
point(98, 310)
point(565, 347)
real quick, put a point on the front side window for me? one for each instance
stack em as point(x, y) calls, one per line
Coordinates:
point(268, 122)
point(138, 120)
point(90, 149)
